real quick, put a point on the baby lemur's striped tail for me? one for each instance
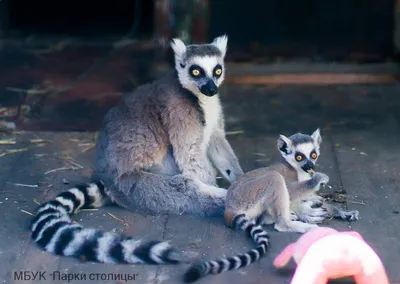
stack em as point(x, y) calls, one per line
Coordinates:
point(259, 236)
point(54, 231)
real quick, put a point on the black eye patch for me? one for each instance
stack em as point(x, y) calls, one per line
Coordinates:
point(215, 73)
point(299, 157)
point(313, 155)
point(196, 71)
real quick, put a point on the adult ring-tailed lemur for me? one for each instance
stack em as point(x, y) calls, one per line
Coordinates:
point(156, 153)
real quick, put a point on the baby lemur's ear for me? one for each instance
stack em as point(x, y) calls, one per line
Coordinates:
point(284, 144)
point(316, 136)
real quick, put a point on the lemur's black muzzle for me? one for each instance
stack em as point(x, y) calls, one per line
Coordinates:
point(308, 166)
point(209, 89)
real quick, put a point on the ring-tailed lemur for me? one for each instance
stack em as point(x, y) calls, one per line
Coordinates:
point(283, 194)
point(156, 153)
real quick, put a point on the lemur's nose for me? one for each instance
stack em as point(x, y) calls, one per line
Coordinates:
point(209, 89)
point(212, 89)
point(308, 166)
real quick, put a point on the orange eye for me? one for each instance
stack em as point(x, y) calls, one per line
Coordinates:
point(299, 158)
point(314, 155)
point(195, 72)
point(218, 72)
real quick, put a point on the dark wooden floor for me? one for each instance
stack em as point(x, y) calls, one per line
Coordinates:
point(360, 153)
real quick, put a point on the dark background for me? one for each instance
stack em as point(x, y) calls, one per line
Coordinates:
point(311, 28)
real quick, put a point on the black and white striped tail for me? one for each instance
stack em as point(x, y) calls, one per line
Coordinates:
point(54, 231)
point(259, 236)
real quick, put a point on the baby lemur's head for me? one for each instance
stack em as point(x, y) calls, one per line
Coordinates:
point(301, 151)
point(200, 67)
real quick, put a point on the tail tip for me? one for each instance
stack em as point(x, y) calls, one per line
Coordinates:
point(194, 273)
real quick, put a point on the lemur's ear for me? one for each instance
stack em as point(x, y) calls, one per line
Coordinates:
point(221, 42)
point(284, 144)
point(178, 47)
point(316, 136)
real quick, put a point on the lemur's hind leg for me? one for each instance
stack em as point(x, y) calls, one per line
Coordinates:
point(163, 194)
point(315, 201)
point(284, 222)
point(267, 218)
point(307, 213)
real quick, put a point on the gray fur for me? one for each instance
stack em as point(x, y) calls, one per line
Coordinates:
point(202, 50)
point(150, 151)
point(300, 138)
point(222, 156)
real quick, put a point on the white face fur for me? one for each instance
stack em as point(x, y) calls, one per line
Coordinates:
point(301, 151)
point(201, 70)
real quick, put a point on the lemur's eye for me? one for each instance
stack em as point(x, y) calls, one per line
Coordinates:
point(218, 71)
point(299, 158)
point(314, 155)
point(195, 72)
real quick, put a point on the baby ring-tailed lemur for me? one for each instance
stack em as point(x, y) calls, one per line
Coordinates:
point(156, 153)
point(284, 194)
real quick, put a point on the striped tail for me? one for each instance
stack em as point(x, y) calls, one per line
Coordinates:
point(259, 236)
point(54, 231)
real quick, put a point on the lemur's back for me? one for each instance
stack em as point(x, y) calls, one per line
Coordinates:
point(139, 125)
point(255, 183)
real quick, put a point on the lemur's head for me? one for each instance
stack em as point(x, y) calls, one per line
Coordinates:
point(301, 151)
point(200, 67)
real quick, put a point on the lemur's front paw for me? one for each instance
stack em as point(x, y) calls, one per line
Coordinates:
point(321, 178)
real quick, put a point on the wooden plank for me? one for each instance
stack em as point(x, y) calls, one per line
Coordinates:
point(369, 168)
point(311, 79)
point(23, 255)
point(12, 200)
